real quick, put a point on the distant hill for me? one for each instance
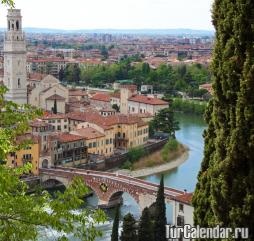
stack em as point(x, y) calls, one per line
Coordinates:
point(173, 32)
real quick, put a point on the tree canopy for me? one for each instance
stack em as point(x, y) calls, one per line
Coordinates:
point(22, 215)
point(224, 193)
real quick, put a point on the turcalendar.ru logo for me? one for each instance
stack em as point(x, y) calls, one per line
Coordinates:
point(190, 232)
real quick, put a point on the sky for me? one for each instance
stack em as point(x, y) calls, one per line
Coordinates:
point(114, 14)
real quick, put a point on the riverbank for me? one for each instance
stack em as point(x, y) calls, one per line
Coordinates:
point(159, 168)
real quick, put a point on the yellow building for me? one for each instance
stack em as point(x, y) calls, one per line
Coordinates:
point(30, 154)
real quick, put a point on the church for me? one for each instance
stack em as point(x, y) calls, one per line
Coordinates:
point(42, 92)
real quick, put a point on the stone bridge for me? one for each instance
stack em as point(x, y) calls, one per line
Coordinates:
point(109, 187)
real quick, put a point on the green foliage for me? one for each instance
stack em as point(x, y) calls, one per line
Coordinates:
point(189, 106)
point(160, 219)
point(145, 228)
point(165, 78)
point(171, 145)
point(13, 122)
point(164, 121)
point(224, 192)
point(134, 154)
point(129, 232)
point(114, 235)
point(22, 215)
point(127, 165)
point(9, 3)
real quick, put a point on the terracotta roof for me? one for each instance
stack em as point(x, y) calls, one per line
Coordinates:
point(75, 92)
point(27, 137)
point(48, 116)
point(39, 123)
point(147, 100)
point(101, 97)
point(184, 198)
point(66, 137)
point(55, 97)
point(36, 76)
point(116, 95)
point(123, 119)
point(89, 133)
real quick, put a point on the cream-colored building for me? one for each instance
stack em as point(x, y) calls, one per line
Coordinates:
point(46, 92)
point(59, 122)
point(30, 154)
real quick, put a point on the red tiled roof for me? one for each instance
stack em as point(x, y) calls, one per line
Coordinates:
point(184, 198)
point(36, 76)
point(89, 133)
point(48, 116)
point(116, 95)
point(147, 100)
point(55, 97)
point(74, 92)
point(101, 97)
point(39, 123)
point(66, 137)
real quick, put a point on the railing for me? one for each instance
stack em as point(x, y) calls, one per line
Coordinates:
point(61, 171)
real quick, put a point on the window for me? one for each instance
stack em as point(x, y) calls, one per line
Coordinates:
point(65, 126)
point(107, 141)
point(94, 144)
point(90, 145)
point(111, 141)
point(58, 128)
point(180, 221)
point(59, 121)
point(123, 135)
point(180, 207)
point(19, 85)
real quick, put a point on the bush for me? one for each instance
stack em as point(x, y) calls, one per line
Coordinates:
point(127, 165)
point(172, 145)
point(135, 154)
point(189, 106)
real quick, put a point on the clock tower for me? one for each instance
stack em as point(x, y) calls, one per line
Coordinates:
point(15, 78)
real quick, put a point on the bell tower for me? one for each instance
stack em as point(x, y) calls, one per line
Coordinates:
point(15, 78)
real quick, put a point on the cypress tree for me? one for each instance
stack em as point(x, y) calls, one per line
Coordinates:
point(225, 190)
point(114, 235)
point(145, 229)
point(160, 214)
point(54, 108)
point(129, 232)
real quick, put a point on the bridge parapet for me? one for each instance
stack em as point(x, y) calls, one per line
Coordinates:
point(106, 184)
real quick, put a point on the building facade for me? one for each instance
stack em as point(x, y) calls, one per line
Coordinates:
point(15, 77)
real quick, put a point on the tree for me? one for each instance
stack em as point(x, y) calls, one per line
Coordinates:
point(164, 121)
point(9, 3)
point(22, 215)
point(160, 214)
point(129, 232)
point(61, 74)
point(54, 108)
point(145, 229)
point(116, 107)
point(224, 193)
point(114, 235)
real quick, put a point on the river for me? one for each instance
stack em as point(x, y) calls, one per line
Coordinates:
point(183, 177)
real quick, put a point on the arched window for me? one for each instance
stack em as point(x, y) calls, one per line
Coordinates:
point(17, 25)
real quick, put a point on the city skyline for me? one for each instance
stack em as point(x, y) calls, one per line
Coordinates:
point(97, 14)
